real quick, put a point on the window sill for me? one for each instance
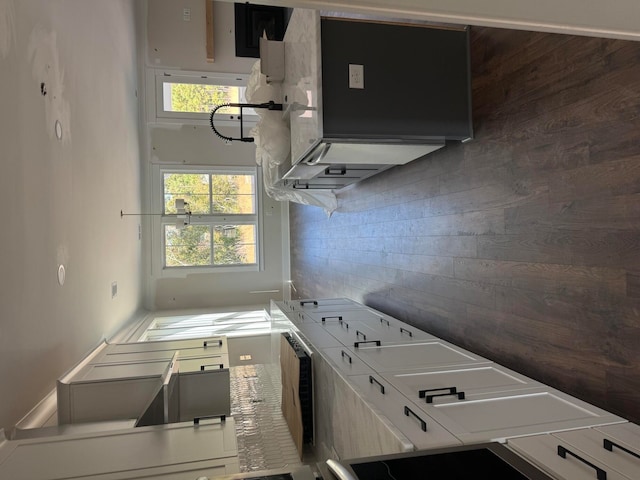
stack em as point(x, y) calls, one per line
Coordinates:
point(181, 272)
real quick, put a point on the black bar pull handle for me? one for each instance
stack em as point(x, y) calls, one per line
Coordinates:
point(205, 344)
point(377, 342)
point(304, 302)
point(345, 354)
point(335, 171)
point(196, 420)
point(410, 333)
point(423, 424)
point(608, 445)
point(345, 324)
point(219, 365)
point(360, 334)
point(384, 320)
point(339, 317)
point(373, 380)
point(600, 473)
point(451, 391)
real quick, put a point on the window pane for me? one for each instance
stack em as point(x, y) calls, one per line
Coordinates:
point(234, 194)
point(187, 247)
point(201, 98)
point(192, 187)
point(234, 244)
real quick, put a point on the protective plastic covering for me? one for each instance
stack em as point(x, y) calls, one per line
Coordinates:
point(273, 145)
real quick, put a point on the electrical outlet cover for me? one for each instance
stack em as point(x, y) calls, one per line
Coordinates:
point(356, 76)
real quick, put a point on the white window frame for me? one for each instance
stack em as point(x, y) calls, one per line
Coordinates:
point(159, 221)
point(156, 79)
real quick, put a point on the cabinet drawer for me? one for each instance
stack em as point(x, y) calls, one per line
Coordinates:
point(420, 428)
point(317, 336)
point(543, 450)
point(384, 324)
point(323, 304)
point(164, 355)
point(198, 364)
point(121, 371)
point(346, 361)
point(618, 455)
point(218, 343)
point(160, 449)
point(349, 332)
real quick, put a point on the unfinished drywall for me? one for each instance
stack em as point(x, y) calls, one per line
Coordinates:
point(180, 44)
point(74, 62)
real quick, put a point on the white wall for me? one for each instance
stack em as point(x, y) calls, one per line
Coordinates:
point(62, 199)
point(197, 145)
point(173, 43)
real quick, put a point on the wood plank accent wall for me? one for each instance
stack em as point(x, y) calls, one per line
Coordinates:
point(522, 245)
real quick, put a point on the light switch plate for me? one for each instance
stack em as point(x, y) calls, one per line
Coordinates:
point(356, 76)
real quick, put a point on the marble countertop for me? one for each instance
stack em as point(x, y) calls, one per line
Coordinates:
point(302, 89)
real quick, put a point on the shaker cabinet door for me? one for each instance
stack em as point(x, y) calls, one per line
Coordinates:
point(423, 431)
point(562, 460)
point(616, 446)
point(346, 361)
point(439, 384)
point(498, 416)
point(426, 354)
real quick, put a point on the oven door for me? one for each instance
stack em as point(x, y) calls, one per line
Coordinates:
point(488, 460)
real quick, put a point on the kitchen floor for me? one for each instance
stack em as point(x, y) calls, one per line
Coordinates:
point(522, 245)
point(264, 441)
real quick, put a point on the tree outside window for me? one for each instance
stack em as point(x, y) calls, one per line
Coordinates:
point(223, 229)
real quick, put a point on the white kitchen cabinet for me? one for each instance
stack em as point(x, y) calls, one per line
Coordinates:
point(191, 359)
point(317, 335)
point(420, 428)
point(147, 452)
point(217, 344)
point(95, 393)
point(615, 446)
point(375, 320)
point(494, 416)
point(204, 393)
point(345, 424)
point(346, 361)
point(350, 332)
point(301, 317)
point(323, 304)
point(489, 403)
point(426, 354)
point(579, 454)
point(438, 383)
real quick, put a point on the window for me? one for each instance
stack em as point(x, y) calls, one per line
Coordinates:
point(222, 229)
point(190, 97)
point(231, 324)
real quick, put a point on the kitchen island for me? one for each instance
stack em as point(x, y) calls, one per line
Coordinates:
point(358, 100)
